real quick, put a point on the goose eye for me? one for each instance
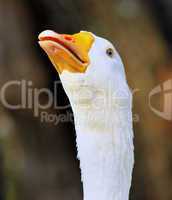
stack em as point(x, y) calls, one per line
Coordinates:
point(110, 52)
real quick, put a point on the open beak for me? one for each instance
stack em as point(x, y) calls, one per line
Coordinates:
point(67, 52)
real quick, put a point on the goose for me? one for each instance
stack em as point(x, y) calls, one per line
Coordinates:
point(93, 77)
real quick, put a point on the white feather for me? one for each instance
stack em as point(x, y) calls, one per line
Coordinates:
point(102, 104)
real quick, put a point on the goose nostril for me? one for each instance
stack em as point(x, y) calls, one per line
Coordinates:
point(69, 38)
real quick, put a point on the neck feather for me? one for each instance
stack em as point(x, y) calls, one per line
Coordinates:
point(105, 151)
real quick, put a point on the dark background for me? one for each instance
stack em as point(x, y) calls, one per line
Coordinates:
point(38, 159)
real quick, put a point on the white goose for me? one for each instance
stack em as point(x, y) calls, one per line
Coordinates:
point(94, 79)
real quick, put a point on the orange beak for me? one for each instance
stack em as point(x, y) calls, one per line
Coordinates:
point(67, 52)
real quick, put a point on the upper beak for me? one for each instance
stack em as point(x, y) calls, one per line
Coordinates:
point(67, 52)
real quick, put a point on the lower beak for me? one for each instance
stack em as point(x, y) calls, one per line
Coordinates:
point(67, 52)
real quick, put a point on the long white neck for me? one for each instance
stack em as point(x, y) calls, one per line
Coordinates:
point(105, 151)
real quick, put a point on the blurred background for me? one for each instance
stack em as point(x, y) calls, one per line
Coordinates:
point(38, 159)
